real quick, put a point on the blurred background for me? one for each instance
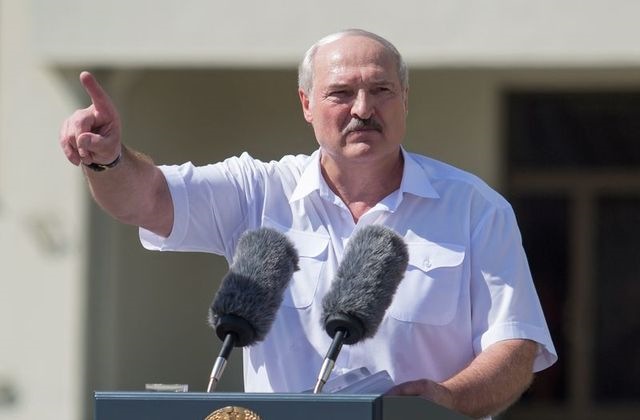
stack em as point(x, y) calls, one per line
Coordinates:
point(540, 99)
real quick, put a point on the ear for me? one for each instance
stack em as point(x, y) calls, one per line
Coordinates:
point(306, 107)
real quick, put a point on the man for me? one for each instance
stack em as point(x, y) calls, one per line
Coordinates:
point(465, 328)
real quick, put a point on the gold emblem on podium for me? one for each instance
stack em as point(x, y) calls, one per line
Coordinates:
point(233, 413)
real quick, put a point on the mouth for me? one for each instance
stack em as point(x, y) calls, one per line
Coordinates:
point(361, 132)
point(365, 129)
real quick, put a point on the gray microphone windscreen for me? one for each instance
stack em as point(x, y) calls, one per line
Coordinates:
point(373, 265)
point(253, 289)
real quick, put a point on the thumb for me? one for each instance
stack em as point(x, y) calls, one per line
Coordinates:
point(94, 148)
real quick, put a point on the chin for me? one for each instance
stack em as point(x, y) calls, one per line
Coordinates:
point(362, 152)
point(360, 146)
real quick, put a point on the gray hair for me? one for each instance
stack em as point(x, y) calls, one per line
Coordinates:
point(305, 69)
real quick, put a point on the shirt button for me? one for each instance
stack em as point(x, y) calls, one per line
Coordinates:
point(426, 263)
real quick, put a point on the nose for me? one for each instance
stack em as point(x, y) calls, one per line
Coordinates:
point(362, 107)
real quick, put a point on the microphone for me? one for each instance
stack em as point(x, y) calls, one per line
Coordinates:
point(367, 278)
point(246, 303)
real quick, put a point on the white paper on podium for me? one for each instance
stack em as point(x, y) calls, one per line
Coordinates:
point(359, 381)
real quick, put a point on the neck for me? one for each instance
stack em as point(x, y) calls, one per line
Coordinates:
point(362, 186)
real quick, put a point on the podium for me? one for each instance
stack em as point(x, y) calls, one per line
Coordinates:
point(200, 406)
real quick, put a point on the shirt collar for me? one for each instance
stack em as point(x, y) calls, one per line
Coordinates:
point(310, 180)
point(415, 180)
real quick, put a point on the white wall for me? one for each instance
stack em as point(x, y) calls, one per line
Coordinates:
point(41, 244)
point(273, 33)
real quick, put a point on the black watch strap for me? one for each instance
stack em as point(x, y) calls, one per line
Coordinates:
point(99, 167)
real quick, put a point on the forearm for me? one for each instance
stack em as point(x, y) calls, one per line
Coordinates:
point(489, 384)
point(494, 380)
point(134, 192)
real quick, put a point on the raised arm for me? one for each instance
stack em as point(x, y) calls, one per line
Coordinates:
point(133, 190)
point(494, 380)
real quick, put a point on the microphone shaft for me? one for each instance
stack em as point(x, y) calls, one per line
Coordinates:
point(221, 361)
point(330, 360)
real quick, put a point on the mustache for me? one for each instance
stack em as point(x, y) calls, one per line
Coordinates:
point(357, 124)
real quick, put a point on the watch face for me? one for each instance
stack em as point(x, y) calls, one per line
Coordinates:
point(233, 413)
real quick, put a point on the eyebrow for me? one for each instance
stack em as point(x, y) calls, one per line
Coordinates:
point(334, 86)
point(338, 85)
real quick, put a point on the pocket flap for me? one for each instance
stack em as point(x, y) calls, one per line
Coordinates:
point(428, 256)
point(308, 244)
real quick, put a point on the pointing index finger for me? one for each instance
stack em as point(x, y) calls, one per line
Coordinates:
point(99, 97)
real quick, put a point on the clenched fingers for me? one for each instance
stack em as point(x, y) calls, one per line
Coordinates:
point(81, 121)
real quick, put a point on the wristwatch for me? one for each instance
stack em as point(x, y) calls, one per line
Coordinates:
point(99, 167)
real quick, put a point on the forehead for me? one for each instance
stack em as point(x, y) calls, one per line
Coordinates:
point(354, 57)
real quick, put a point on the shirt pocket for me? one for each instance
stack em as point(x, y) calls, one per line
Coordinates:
point(312, 255)
point(430, 289)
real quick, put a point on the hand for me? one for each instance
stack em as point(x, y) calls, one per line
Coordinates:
point(92, 135)
point(429, 390)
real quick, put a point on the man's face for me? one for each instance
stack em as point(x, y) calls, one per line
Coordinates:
point(356, 80)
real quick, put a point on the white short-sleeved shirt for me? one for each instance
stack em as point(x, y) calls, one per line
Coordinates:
point(468, 284)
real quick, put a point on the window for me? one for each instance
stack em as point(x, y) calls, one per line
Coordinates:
point(573, 163)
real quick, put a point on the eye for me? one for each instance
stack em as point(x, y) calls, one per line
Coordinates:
point(339, 92)
point(381, 89)
point(339, 95)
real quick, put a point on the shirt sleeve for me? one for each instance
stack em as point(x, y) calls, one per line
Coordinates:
point(212, 205)
point(505, 304)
